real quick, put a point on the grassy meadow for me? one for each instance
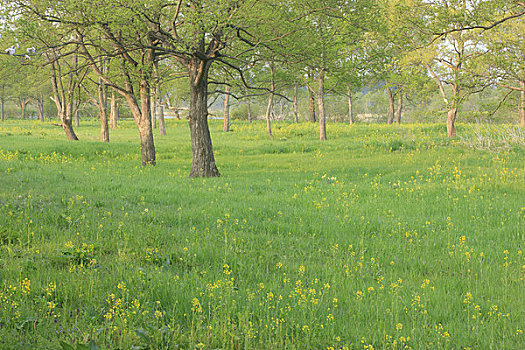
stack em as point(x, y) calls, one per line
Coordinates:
point(382, 237)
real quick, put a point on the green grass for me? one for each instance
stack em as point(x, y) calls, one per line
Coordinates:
point(383, 236)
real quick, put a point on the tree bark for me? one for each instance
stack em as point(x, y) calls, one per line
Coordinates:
point(320, 103)
point(522, 103)
point(390, 118)
point(226, 126)
point(311, 106)
point(399, 107)
point(451, 119)
point(295, 111)
point(350, 107)
point(203, 163)
point(113, 116)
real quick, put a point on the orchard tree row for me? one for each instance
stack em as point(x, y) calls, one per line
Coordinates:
point(150, 54)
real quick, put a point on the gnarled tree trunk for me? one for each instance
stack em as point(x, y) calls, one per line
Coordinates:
point(203, 163)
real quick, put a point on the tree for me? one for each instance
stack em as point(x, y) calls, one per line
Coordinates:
point(449, 61)
point(505, 65)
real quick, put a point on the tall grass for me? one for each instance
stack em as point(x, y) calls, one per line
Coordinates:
point(383, 237)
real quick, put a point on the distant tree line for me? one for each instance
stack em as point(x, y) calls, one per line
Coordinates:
point(296, 60)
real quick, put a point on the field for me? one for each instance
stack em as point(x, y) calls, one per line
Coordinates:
point(382, 237)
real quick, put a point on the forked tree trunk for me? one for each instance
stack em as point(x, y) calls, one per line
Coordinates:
point(226, 126)
point(203, 163)
point(311, 106)
point(451, 120)
point(399, 107)
point(522, 103)
point(390, 118)
point(295, 111)
point(66, 117)
point(113, 116)
point(350, 107)
point(320, 103)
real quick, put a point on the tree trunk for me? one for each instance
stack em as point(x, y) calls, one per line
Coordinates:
point(522, 103)
point(268, 114)
point(399, 107)
point(162, 122)
point(66, 118)
point(2, 102)
point(295, 111)
point(391, 111)
point(249, 106)
point(143, 120)
point(203, 163)
point(2, 111)
point(22, 103)
point(153, 106)
point(320, 103)
point(311, 106)
point(269, 108)
point(77, 117)
point(40, 107)
point(226, 126)
point(350, 107)
point(103, 111)
point(113, 116)
point(451, 119)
